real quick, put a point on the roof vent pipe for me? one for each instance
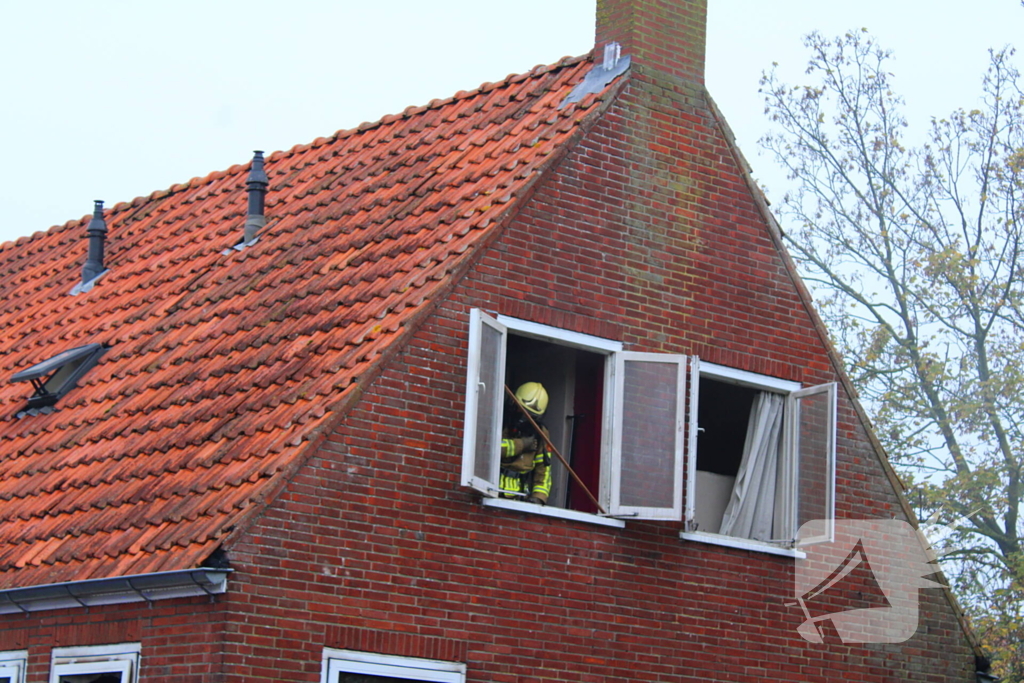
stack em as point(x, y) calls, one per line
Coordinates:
point(257, 185)
point(97, 232)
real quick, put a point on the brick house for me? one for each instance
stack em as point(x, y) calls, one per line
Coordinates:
point(254, 438)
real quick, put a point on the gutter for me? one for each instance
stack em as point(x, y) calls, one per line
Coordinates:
point(114, 591)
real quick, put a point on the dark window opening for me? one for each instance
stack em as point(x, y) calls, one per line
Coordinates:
point(723, 413)
point(56, 376)
point(370, 678)
point(574, 380)
point(112, 677)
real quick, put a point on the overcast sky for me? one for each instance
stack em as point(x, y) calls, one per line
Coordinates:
point(111, 99)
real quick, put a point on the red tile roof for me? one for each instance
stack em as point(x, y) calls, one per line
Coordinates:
point(223, 367)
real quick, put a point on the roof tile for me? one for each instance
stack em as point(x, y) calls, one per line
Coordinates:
point(224, 364)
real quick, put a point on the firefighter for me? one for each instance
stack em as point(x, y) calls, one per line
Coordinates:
point(525, 459)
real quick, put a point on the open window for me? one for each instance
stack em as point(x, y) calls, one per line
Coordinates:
point(350, 666)
point(12, 666)
point(762, 456)
point(617, 418)
point(756, 454)
point(56, 376)
point(100, 664)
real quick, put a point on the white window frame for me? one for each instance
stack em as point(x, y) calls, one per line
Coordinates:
point(123, 658)
point(687, 384)
point(13, 664)
point(793, 392)
point(337, 662)
point(505, 324)
point(611, 420)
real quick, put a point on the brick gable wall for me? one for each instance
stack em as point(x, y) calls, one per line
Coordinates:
point(647, 235)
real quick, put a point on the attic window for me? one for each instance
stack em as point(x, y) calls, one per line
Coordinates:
point(58, 375)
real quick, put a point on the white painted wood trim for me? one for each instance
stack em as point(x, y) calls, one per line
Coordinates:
point(750, 379)
point(563, 337)
point(548, 511)
point(336, 662)
point(741, 543)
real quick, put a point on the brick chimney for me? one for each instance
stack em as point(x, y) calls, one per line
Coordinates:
point(667, 35)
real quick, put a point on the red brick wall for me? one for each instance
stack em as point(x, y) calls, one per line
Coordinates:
point(647, 235)
point(181, 639)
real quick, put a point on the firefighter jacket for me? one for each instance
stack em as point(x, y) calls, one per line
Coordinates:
point(525, 471)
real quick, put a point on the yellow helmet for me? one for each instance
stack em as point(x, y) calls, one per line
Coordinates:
point(534, 397)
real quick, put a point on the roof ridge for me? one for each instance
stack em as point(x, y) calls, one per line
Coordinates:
point(237, 169)
point(416, 110)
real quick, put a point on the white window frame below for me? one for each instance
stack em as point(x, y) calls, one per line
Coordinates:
point(13, 664)
point(337, 662)
point(123, 658)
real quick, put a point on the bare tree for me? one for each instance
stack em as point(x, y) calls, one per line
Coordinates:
point(914, 256)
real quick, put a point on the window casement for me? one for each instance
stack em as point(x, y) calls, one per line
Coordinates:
point(97, 664)
point(12, 666)
point(655, 436)
point(350, 666)
point(762, 456)
point(54, 377)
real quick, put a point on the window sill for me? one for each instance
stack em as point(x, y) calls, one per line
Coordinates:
point(742, 544)
point(546, 511)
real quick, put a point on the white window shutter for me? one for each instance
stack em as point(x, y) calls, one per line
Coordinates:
point(485, 382)
point(692, 402)
point(649, 428)
point(811, 445)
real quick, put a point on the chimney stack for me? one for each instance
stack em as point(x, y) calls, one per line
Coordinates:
point(667, 35)
point(97, 232)
point(257, 185)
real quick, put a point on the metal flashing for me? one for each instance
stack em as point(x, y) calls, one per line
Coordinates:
point(115, 591)
point(613, 66)
point(240, 246)
point(83, 287)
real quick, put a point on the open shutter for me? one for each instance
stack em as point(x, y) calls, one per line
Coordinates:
point(485, 372)
point(811, 448)
point(692, 401)
point(649, 420)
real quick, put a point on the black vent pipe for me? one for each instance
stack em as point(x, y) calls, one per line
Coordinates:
point(257, 185)
point(97, 232)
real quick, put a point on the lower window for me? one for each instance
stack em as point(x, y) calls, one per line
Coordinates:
point(350, 666)
point(12, 666)
point(100, 664)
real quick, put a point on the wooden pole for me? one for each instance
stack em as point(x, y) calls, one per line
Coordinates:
point(554, 450)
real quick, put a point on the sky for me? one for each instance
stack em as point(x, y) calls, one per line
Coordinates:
point(113, 99)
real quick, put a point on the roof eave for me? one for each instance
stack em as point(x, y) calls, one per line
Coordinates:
point(116, 590)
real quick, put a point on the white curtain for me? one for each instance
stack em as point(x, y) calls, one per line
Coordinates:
point(752, 503)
